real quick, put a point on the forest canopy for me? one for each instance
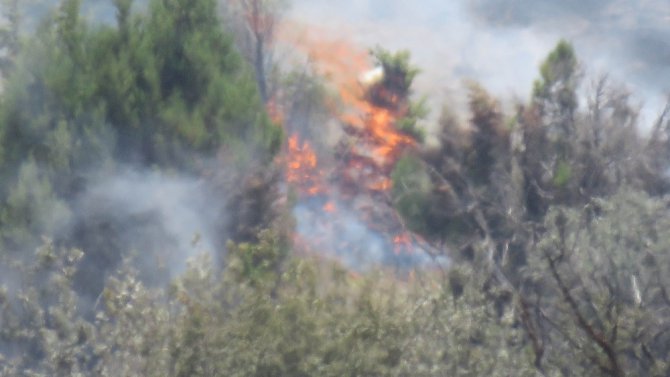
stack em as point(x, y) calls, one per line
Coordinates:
point(165, 180)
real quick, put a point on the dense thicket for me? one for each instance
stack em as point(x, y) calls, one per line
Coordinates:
point(555, 218)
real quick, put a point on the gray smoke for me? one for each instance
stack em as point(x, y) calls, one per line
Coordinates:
point(632, 36)
point(501, 43)
point(177, 207)
point(158, 220)
point(347, 237)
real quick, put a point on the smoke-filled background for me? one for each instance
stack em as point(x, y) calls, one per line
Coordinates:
point(500, 43)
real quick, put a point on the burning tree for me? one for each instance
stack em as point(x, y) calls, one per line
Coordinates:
point(385, 125)
point(374, 141)
point(378, 122)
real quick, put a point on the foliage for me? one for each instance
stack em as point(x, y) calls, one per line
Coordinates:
point(164, 90)
point(398, 72)
point(554, 218)
point(166, 83)
point(317, 319)
point(254, 24)
point(394, 90)
point(503, 172)
point(31, 208)
point(557, 77)
point(411, 187)
point(599, 277)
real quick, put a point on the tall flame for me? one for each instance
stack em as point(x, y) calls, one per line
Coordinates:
point(375, 143)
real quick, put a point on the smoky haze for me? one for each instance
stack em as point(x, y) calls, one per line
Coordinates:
point(501, 43)
point(159, 220)
point(629, 36)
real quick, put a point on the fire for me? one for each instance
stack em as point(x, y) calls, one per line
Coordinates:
point(368, 110)
point(377, 139)
point(375, 142)
point(301, 167)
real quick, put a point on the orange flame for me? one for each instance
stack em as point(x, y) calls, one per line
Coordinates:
point(374, 143)
point(373, 128)
point(301, 167)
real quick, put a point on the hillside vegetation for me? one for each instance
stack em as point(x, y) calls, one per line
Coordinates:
point(146, 227)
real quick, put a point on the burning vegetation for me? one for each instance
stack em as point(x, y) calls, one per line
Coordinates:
point(153, 215)
point(302, 170)
point(373, 95)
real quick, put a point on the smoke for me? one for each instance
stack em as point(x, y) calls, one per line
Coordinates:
point(630, 37)
point(343, 235)
point(340, 235)
point(445, 43)
point(159, 220)
point(501, 43)
point(177, 206)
